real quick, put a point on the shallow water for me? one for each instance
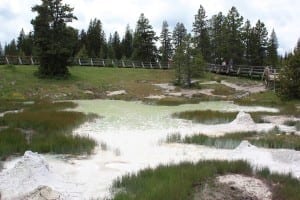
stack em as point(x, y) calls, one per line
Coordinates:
point(134, 135)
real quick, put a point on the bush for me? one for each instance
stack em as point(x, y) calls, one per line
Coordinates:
point(290, 78)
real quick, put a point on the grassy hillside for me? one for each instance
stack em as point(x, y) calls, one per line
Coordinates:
point(19, 82)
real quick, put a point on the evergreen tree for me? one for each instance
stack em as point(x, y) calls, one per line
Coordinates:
point(144, 41)
point(53, 39)
point(272, 54)
point(11, 49)
point(127, 43)
point(234, 45)
point(110, 49)
point(116, 45)
point(247, 34)
point(201, 36)
point(217, 35)
point(1, 50)
point(179, 34)
point(165, 39)
point(260, 42)
point(20, 42)
point(188, 62)
point(94, 38)
point(290, 78)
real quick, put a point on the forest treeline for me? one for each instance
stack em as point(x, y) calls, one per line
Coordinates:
point(223, 37)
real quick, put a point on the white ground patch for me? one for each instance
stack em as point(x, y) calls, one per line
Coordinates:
point(249, 185)
point(133, 133)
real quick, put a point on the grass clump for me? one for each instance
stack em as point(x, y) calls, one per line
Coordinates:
point(216, 117)
point(12, 141)
point(45, 128)
point(230, 141)
point(172, 182)
point(176, 182)
point(207, 116)
point(175, 101)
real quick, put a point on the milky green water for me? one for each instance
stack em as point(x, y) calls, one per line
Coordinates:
point(137, 115)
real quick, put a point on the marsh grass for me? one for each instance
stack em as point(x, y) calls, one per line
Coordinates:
point(230, 141)
point(216, 117)
point(176, 182)
point(51, 129)
point(175, 101)
point(11, 142)
point(207, 116)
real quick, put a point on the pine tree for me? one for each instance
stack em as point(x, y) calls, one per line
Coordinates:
point(165, 39)
point(94, 38)
point(260, 42)
point(272, 54)
point(1, 50)
point(201, 36)
point(188, 62)
point(127, 43)
point(179, 33)
point(217, 35)
point(290, 77)
point(144, 41)
point(11, 49)
point(54, 40)
point(20, 41)
point(234, 45)
point(247, 41)
point(116, 45)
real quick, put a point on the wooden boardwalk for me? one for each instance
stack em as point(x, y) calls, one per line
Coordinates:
point(95, 62)
point(268, 75)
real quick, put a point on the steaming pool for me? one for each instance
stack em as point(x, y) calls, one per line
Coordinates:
point(131, 137)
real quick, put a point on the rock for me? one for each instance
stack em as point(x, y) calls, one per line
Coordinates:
point(44, 193)
point(243, 119)
point(175, 94)
point(115, 93)
point(158, 97)
point(88, 92)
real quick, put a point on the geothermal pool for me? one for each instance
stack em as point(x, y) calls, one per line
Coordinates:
point(131, 137)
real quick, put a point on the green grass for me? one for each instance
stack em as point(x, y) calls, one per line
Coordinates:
point(44, 128)
point(11, 142)
point(21, 83)
point(176, 182)
point(175, 101)
point(207, 116)
point(270, 99)
point(230, 141)
point(217, 117)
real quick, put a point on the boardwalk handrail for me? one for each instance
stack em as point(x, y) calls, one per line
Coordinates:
point(95, 62)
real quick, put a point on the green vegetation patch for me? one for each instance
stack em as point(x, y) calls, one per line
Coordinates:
point(216, 117)
point(175, 101)
point(230, 141)
point(45, 128)
point(176, 182)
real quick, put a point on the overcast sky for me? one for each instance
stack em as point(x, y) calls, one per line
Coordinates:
point(282, 15)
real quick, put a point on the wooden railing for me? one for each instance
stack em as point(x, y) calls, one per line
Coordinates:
point(96, 62)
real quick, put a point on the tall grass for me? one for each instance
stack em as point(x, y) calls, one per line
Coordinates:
point(231, 141)
point(207, 116)
point(50, 128)
point(175, 101)
point(176, 182)
point(216, 117)
point(173, 182)
point(11, 142)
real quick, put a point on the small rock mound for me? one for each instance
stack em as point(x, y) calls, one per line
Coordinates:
point(245, 144)
point(243, 119)
point(27, 174)
point(44, 193)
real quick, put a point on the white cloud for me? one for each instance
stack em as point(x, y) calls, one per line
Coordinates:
point(281, 15)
